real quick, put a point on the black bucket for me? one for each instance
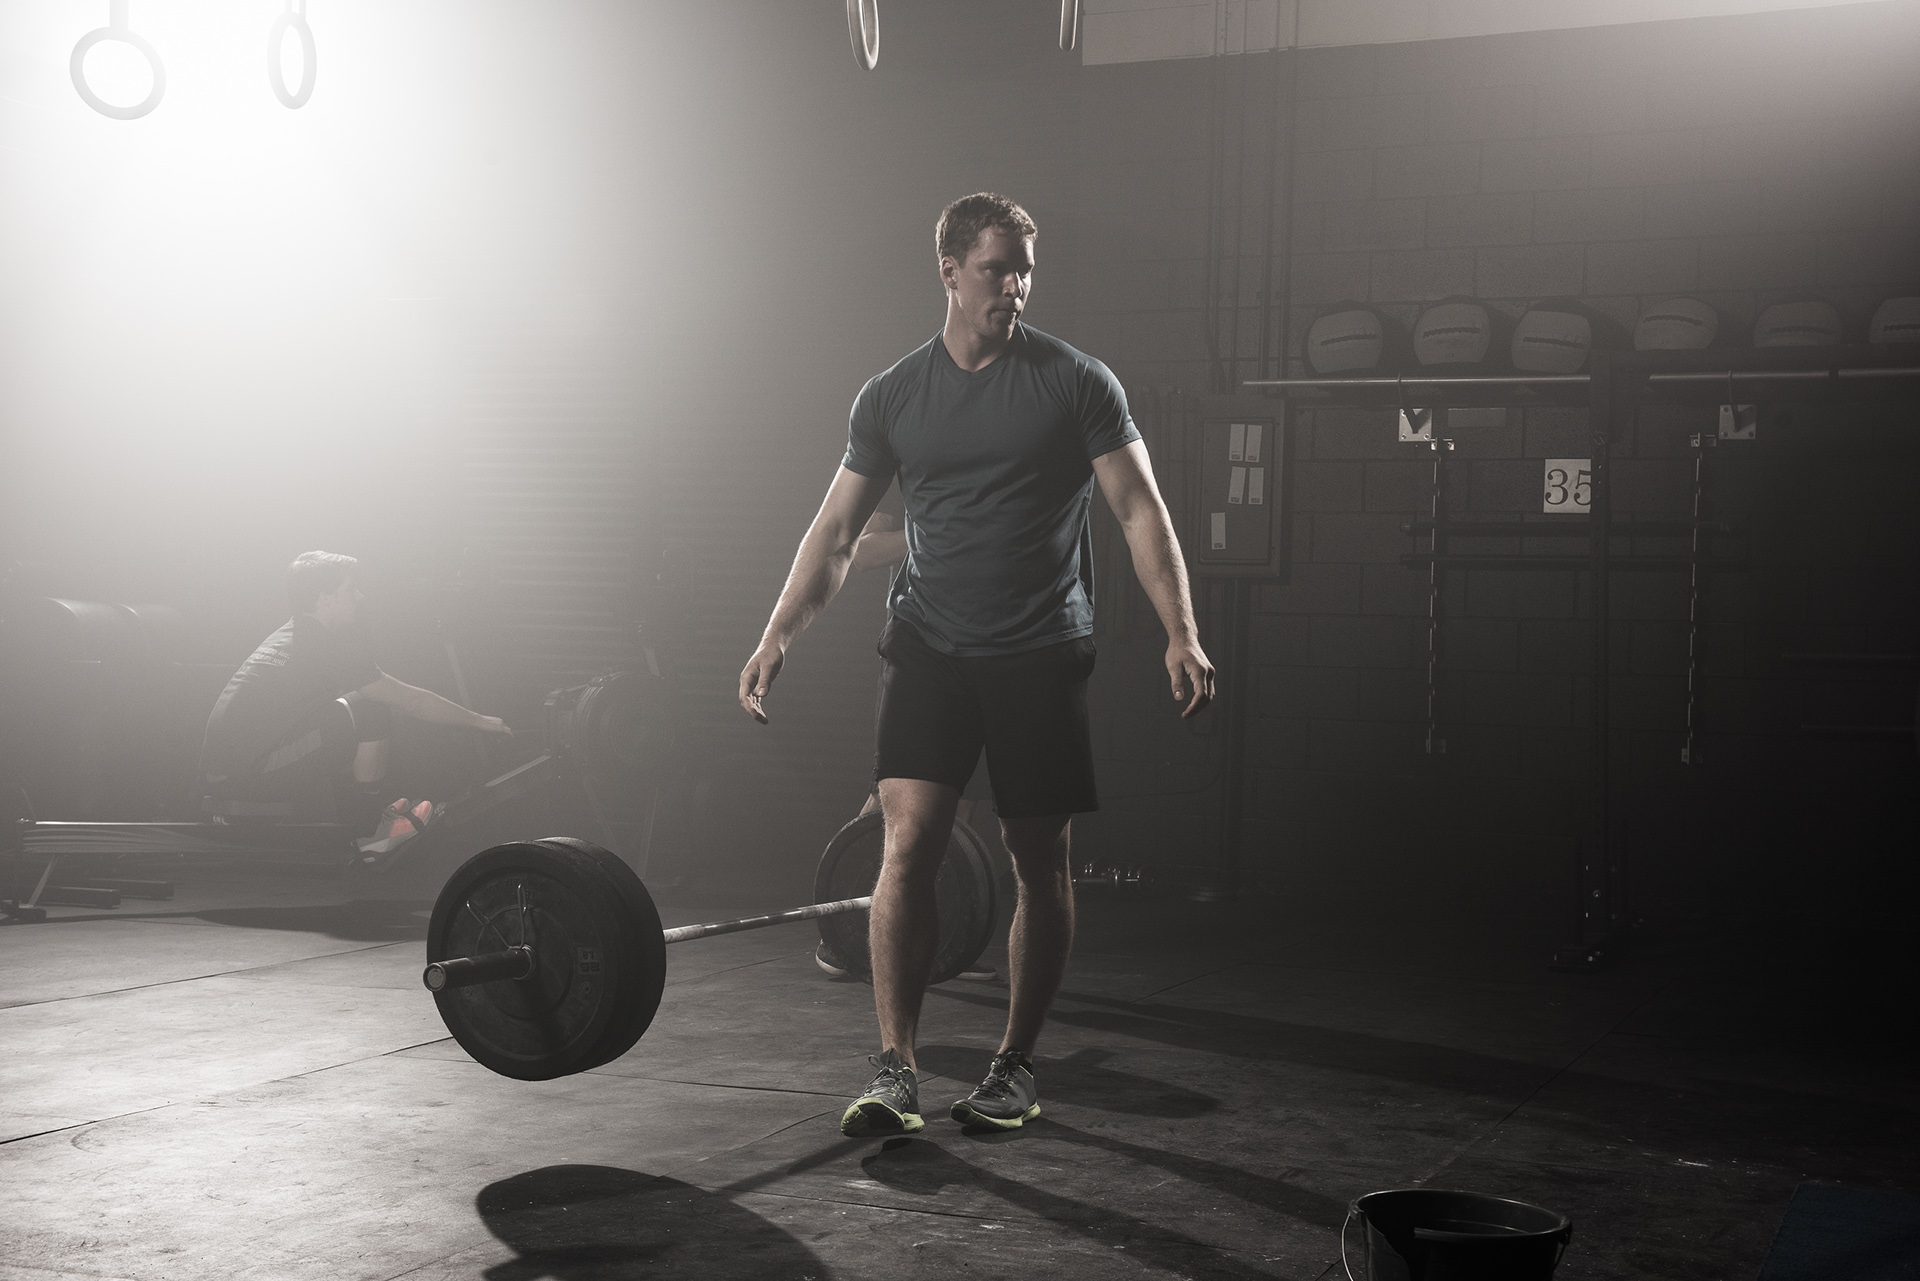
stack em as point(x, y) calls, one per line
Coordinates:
point(1429, 1234)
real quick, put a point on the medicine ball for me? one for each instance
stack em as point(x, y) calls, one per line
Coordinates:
point(1897, 320)
point(1456, 335)
point(1556, 335)
point(1678, 324)
point(1808, 322)
point(1352, 338)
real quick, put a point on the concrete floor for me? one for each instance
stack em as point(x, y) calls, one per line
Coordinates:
point(248, 1081)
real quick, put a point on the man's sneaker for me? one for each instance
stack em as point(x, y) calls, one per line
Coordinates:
point(400, 822)
point(1006, 1100)
point(891, 1105)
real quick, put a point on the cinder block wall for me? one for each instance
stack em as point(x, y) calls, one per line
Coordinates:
point(1741, 160)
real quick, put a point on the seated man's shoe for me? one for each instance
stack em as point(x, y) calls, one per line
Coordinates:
point(891, 1105)
point(399, 823)
point(1006, 1100)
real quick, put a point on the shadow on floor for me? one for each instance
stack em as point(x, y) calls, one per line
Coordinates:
point(926, 1169)
point(361, 922)
point(1260, 1190)
point(575, 1222)
point(1599, 1107)
point(1266, 1040)
point(1080, 1079)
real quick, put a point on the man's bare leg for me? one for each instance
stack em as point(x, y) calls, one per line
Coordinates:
point(1042, 935)
point(370, 761)
point(903, 929)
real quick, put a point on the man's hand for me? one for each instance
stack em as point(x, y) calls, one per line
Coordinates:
point(494, 725)
point(757, 677)
point(1192, 676)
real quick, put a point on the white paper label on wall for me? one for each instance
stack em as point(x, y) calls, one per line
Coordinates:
point(1236, 442)
point(1236, 484)
point(1256, 484)
point(1219, 531)
point(1569, 485)
point(1253, 444)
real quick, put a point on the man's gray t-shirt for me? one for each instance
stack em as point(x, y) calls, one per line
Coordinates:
point(996, 471)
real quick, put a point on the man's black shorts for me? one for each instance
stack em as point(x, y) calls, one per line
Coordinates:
point(1028, 710)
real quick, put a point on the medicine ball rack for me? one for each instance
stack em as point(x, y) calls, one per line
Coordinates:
point(1617, 385)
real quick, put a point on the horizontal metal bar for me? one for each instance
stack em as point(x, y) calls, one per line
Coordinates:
point(1452, 380)
point(77, 896)
point(1850, 660)
point(318, 841)
point(158, 890)
point(1541, 380)
point(1887, 733)
point(808, 913)
point(1467, 560)
point(1787, 375)
point(1575, 527)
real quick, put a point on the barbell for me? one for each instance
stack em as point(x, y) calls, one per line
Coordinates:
point(547, 958)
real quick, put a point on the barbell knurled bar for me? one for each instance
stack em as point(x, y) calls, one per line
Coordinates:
point(683, 933)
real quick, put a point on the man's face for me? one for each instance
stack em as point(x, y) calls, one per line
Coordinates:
point(990, 288)
point(341, 606)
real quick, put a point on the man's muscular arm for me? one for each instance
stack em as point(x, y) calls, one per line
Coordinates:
point(819, 568)
point(425, 705)
point(1126, 479)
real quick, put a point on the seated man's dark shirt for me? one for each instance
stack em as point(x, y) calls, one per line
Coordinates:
point(297, 670)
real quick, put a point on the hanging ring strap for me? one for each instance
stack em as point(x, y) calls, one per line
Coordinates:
point(863, 29)
point(116, 29)
point(294, 20)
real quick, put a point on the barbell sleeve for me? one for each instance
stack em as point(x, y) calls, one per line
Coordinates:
point(488, 967)
point(808, 913)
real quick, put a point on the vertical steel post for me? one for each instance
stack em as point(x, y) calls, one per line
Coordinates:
point(1595, 868)
point(1436, 746)
point(1689, 752)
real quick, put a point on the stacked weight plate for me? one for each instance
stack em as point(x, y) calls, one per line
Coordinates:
point(599, 960)
point(851, 865)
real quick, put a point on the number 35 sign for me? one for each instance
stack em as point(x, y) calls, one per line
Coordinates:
point(1569, 485)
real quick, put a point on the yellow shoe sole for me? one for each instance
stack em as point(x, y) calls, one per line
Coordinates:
point(867, 1118)
point(963, 1113)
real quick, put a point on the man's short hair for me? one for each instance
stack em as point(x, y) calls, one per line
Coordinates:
point(961, 223)
point(315, 574)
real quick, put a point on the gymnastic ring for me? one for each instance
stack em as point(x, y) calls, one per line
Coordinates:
point(117, 30)
point(294, 19)
point(1069, 25)
point(863, 29)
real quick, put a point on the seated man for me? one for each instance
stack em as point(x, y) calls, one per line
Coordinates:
point(310, 706)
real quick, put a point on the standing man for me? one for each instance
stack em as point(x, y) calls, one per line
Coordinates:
point(997, 433)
